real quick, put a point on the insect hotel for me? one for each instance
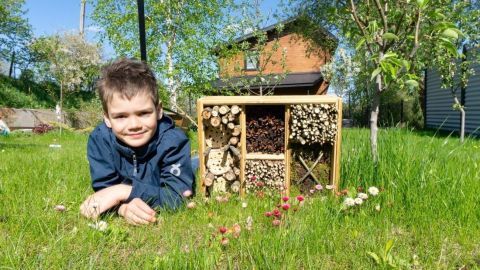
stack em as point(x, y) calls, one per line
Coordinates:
point(266, 144)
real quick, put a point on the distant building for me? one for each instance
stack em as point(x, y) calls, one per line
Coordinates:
point(438, 102)
point(303, 58)
point(4, 67)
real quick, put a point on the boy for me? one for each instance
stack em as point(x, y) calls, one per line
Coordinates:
point(138, 160)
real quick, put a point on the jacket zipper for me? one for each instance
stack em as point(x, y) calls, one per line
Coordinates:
point(134, 165)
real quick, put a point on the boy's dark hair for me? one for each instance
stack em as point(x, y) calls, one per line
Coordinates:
point(127, 77)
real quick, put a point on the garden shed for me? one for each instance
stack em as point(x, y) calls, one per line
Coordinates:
point(289, 62)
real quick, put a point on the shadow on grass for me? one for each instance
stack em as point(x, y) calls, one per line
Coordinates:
point(21, 145)
point(431, 132)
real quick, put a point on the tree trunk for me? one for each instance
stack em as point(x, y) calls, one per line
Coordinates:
point(462, 125)
point(375, 109)
point(12, 62)
point(61, 107)
point(171, 82)
point(462, 118)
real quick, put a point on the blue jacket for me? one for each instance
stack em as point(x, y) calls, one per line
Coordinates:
point(159, 173)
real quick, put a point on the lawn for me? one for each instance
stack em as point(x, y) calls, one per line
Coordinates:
point(428, 208)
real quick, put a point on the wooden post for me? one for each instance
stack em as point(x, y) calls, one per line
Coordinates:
point(288, 151)
point(201, 146)
point(335, 166)
point(243, 141)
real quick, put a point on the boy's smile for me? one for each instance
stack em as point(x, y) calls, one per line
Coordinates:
point(133, 121)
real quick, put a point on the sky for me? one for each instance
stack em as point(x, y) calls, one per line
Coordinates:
point(48, 17)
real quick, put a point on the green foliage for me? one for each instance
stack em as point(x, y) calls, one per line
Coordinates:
point(66, 58)
point(180, 37)
point(24, 94)
point(11, 97)
point(15, 32)
point(341, 72)
point(385, 259)
point(85, 113)
point(393, 39)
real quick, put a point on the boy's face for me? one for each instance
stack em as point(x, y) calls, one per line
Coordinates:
point(133, 121)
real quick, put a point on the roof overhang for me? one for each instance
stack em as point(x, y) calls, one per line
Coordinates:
point(301, 79)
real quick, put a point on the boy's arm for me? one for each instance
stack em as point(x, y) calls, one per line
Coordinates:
point(176, 175)
point(100, 159)
point(105, 179)
point(104, 199)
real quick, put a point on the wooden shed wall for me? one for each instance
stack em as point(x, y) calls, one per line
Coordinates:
point(300, 57)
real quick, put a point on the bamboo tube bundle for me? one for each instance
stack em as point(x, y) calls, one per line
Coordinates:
point(265, 175)
point(313, 123)
point(265, 130)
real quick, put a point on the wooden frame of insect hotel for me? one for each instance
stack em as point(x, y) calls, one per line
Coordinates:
point(266, 144)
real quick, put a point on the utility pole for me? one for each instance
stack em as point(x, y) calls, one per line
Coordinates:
point(82, 16)
point(141, 28)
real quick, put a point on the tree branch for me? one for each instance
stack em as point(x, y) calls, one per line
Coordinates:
point(417, 33)
point(360, 25)
point(384, 19)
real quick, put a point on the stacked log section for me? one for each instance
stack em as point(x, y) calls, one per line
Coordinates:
point(222, 148)
point(265, 129)
point(313, 123)
point(265, 175)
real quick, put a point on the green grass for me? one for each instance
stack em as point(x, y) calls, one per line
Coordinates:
point(429, 208)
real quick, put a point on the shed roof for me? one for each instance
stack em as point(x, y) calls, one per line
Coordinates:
point(301, 79)
point(298, 23)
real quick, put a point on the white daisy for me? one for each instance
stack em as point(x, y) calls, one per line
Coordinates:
point(362, 196)
point(358, 201)
point(349, 202)
point(373, 191)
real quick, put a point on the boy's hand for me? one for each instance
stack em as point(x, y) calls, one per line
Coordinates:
point(104, 199)
point(137, 212)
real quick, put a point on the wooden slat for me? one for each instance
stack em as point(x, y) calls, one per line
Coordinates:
point(279, 100)
point(288, 151)
point(201, 145)
point(335, 166)
point(265, 156)
point(243, 140)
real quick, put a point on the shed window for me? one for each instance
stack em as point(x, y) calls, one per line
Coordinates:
point(251, 60)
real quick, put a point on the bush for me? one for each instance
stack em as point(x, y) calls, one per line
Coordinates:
point(88, 114)
point(42, 128)
point(24, 93)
